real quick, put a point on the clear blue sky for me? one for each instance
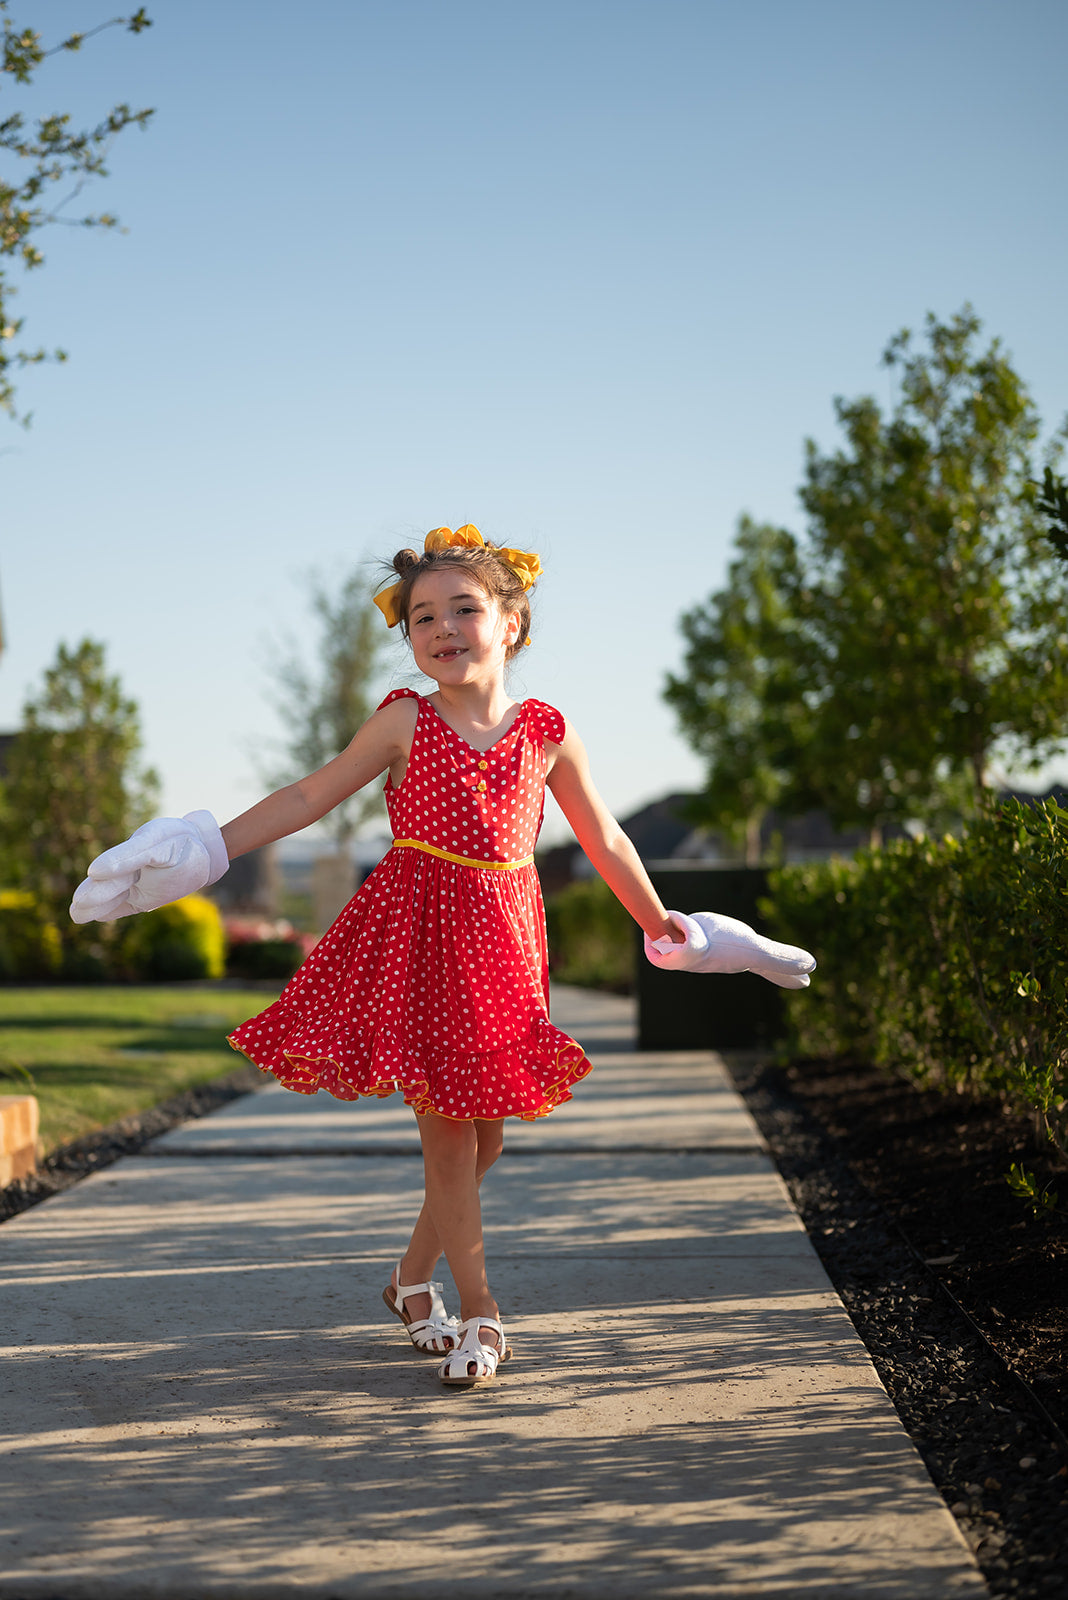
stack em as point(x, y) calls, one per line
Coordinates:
point(583, 272)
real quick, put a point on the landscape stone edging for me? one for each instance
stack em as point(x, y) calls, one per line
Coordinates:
point(19, 1123)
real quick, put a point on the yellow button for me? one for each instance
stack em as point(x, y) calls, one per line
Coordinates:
point(482, 766)
point(480, 785)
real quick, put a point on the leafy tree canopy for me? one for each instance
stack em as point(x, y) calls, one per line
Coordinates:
point(1051, 502)
point(55, 155)
point(737, 697)
point(921, 626)
point(75, 784)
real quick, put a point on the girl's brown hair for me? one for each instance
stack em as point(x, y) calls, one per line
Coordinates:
point(486, 567)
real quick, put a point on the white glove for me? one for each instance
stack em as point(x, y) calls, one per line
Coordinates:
point(722, 944)
point(165, 859)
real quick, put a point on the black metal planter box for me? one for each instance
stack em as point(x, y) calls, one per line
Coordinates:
point(687, 1011)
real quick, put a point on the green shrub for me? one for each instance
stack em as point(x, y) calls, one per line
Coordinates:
point(94, 955)
point(591, 937)
point(29, 943)
point(184, 940)
point(264, 958)
point(943, 958)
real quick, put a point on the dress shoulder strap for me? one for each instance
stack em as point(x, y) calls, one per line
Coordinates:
point(397, 694)
point(546, 720)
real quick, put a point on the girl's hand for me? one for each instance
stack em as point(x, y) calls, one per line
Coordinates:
point(163, 860)
point(714, 943)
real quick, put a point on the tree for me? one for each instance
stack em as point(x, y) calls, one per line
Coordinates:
point(1051, 501)
point(927, 605)
point(57, 155)
point(738, 698)
point(930, 587)
point(75, 784)
point(323, 707)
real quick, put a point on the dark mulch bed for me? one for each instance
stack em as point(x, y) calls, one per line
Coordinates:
point(939, 1161)
point(959, 1293)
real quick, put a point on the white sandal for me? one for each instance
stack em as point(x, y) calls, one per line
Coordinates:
point(437, 1333)
point(456, 1368)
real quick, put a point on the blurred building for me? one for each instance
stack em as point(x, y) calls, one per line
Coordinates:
point(660, 832)
point(252, 887)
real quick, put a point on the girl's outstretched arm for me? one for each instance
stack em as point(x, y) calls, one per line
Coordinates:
point(384, 741)
point(704, 942)
point(610, 852)
point(170, 856)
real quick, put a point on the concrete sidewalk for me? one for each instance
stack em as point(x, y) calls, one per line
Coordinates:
point(203, 1395)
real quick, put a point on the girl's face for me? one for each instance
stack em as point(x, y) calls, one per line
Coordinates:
point(458, 632)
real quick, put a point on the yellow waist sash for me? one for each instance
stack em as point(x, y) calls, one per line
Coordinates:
point(461, 861)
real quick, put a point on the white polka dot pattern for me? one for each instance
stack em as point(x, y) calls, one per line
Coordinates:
point(434, 979)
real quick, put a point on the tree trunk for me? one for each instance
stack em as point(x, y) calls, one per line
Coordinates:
point(979, 773)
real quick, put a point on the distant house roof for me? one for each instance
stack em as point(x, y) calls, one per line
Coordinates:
point(660, 832)
point(658, 829)
point(1058, 794)
point(656, 832)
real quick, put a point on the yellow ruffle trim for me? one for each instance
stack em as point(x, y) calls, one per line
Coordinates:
point(556, 1094)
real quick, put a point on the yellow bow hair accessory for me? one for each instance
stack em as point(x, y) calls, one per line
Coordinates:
point(524, 563)
point(444, 538)
point(387, 604)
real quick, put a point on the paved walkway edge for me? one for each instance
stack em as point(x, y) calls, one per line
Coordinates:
point(204, 1399)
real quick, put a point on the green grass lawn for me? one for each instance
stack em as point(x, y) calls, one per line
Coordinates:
point(91, 1055)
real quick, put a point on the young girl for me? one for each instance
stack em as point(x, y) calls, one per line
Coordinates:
point(434, 978)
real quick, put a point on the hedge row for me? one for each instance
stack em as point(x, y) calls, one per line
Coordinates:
point(591, 937)
point(185, 940)
point(945, 959)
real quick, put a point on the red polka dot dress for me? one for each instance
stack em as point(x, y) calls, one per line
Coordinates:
point(434, 979)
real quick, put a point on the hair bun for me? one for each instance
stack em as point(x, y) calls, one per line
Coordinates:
point(403, 560)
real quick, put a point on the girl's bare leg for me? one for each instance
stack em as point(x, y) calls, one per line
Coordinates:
point(456, 1157)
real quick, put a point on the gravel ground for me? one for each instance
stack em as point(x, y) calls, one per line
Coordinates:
point(994, 1450)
